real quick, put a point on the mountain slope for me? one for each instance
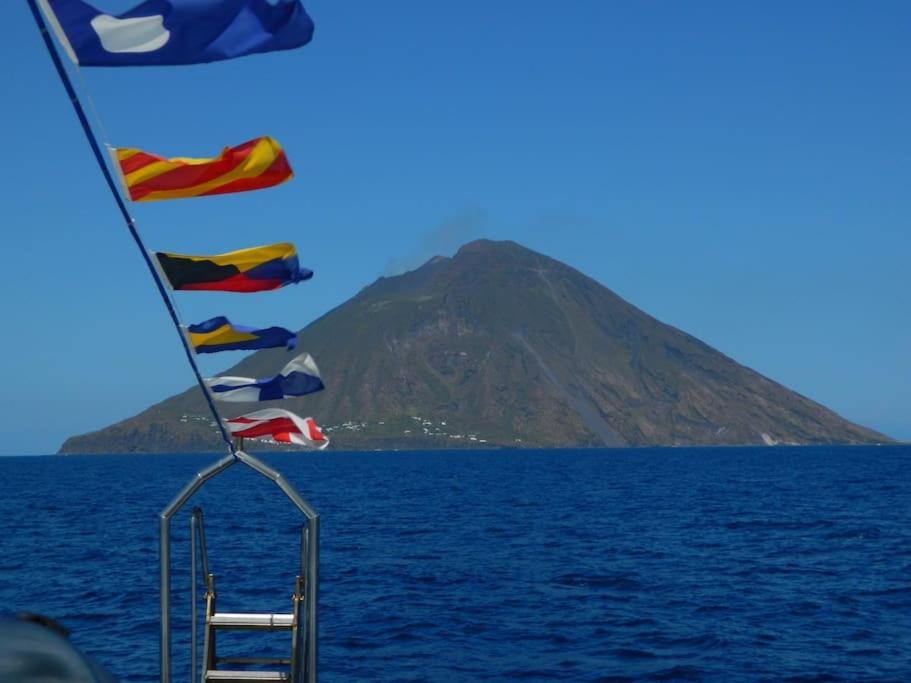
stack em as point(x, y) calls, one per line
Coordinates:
point(500, 345)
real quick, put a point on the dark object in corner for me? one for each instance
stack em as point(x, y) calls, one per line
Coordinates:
point(34, 649)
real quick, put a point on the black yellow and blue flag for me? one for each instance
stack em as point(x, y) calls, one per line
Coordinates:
point(219, 334)
point(256, 269)
point(160, 32)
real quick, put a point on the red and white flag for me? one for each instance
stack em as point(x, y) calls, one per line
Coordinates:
point(279, 425)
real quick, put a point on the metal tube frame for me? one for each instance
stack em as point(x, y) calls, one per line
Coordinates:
point(309, 557)
point(197, 531)
point(193, 595)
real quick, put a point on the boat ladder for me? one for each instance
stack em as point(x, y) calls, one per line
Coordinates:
point(299, 624)
point(225, 669)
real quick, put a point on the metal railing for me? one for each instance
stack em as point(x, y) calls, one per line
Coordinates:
point(197, 531)
point(305, 639)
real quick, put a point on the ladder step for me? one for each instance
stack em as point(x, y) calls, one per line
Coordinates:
point(247, 661)
point(255, 622)
point(226, 676)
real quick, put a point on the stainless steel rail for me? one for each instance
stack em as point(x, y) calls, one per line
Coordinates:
point(309, 561)
point(193, 595)
point(197, 530)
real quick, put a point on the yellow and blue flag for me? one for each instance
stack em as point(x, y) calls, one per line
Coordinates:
point(159, 32)
point(219, 334)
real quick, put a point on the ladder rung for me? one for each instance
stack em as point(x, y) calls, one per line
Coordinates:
point(252, 660)
point(226, 676)
point(240, 620)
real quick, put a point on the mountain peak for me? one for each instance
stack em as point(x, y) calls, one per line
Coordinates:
point(486, 244)
point(500, 247)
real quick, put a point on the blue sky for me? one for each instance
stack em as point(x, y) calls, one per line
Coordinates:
point(738, 170)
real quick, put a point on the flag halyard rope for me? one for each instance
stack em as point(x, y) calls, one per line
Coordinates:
point(128, 219)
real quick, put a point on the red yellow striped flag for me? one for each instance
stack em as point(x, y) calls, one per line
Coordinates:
point(253, 165)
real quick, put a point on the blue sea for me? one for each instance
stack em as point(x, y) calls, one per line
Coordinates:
point(734, 564)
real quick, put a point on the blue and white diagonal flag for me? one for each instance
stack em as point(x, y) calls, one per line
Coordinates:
point(157, 32)
point(297, 378)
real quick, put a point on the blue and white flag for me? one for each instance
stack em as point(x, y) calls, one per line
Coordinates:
point(158, 32)
point(297, 378)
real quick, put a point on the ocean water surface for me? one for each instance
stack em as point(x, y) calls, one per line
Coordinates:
point(765, 564)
